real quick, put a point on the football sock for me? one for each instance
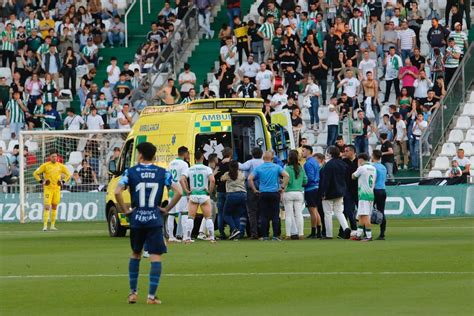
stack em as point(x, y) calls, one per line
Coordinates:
point(318, 228)
point(313, 231)
point(243, 226)
point(210, 227)
point(368, 233)
point(54, 214)
point(360, 230)
point(202, 228)
point(45, 219)
point(179, 226)
point(133, 267)
point(170, 226)
point(189, 227)
point(155, 273)
point(184, 225)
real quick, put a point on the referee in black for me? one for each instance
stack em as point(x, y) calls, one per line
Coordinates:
point(380, 195)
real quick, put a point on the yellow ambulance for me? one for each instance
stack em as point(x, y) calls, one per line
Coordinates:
point(208, 125)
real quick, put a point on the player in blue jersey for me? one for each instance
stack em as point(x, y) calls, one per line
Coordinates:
point(145, 183)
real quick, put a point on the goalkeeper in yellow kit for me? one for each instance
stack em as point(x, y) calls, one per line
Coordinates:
point(51, 172)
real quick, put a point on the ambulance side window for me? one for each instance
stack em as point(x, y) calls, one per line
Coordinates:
point(126, 159)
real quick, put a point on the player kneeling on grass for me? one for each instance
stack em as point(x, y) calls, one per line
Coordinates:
point(366, 175)
point(146, 182)
point(201, 185)
point(50, 175)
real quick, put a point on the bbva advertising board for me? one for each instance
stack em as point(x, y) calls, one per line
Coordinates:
point(402, 201)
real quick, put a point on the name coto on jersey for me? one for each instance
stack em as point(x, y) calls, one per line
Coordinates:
point(147, 175)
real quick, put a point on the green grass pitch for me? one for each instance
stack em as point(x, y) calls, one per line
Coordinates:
point(425, 267)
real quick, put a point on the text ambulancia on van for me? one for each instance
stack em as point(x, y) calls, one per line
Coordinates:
point(208, 125)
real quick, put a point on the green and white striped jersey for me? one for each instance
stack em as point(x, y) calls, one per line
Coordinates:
point(268, 30)
point(366, 175)
point(450, 61)
point(43, 49)
point(459, 38)
point(7, 41)
point(16, 112)
point(49, 91)
point(198, 176)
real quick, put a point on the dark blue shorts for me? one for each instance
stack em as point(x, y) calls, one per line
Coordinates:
point(152, 236)
point(311, 197)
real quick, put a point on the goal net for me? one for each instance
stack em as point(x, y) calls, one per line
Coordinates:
point(88, 155)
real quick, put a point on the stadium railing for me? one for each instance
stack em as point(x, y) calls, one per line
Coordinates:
point(132, 4)
point(455, 97)
point(165, 65)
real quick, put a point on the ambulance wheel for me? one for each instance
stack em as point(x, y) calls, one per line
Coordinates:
point(115, 229)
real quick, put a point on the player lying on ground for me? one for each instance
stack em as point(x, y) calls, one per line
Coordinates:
point(146, 182)
point(201, 185)
point(50, 175)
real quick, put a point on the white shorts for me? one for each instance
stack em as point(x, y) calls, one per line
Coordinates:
point(181, 206)
point(365, 207)
point(199, 199)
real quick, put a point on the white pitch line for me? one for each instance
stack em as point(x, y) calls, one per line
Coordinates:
point(235, 274)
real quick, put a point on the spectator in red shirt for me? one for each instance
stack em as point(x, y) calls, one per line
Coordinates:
point(407, 76)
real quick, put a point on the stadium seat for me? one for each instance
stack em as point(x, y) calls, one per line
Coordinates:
point(65, 95)
point(32, 146)
point(441, 163)
point(134, 66)
point(463, 122)
point(468, 150)
point(456, 136)
point(471, 97)
point(107, 24)
point(322, 139)
point(12, 144)
point(6, 134)
point(7, 73)
point(75, 158)
point(70, 168)
point(468, 109)
point(435, 174)
point(3, 145)
point(318, 149)
point(323, 112)
point(469, 136)
point(449, 149)
point(373, 140)
point(310, 137)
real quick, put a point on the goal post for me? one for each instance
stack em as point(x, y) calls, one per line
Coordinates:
point(86, 154)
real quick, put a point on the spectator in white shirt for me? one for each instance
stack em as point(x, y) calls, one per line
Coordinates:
point(117, 32)
point(264, 81)
point(406, 40)
point(94, 121)
point(228, 53)
point(186, 79)
point(422, 84)
point(279, 99)
point(124, 119)
point(365, 65)
point(351, 86)
point(401, 141)
point(73, 122)
point(249, 69)
point(113, 71)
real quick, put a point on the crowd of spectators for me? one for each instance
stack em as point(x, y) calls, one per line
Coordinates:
point(295, 55)
point(373, 63)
